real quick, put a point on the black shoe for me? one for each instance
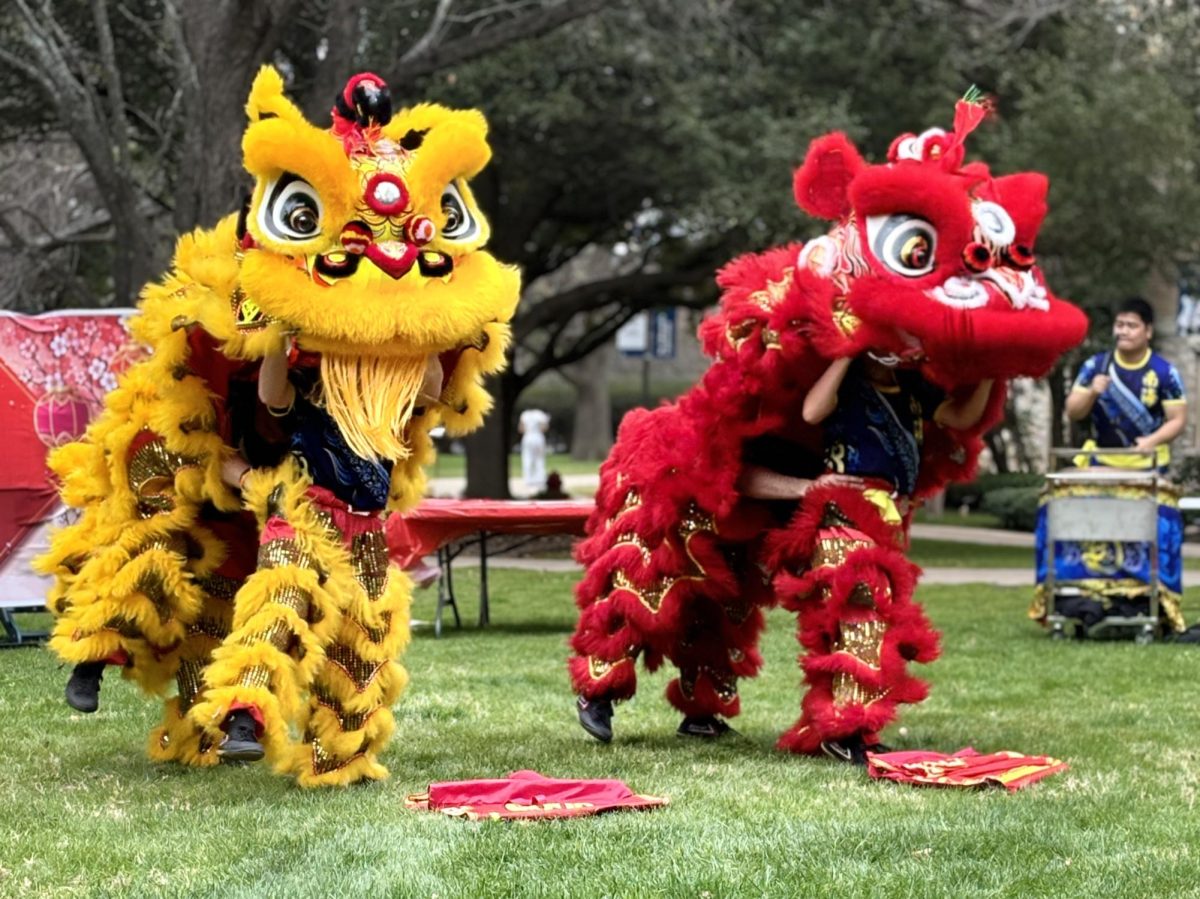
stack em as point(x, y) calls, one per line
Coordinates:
point(707, 727)
point(851, 750)
point(1191, 635)
point(596, 717)
point(83, 689)
point(241, 738)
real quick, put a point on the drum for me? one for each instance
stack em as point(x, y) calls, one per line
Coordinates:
point(1111, 577)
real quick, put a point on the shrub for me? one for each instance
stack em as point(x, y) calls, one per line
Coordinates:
point(1016, 507)
point(973, 492)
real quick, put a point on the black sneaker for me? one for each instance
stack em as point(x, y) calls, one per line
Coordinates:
point(706, 727)
point(596, 717)
point(83, 689)
point(241, 738)
point(851, 750)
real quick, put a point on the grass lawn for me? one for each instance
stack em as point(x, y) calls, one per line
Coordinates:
point(451, 466)
point(952, 517)
point(951, 554)
point(85, 813)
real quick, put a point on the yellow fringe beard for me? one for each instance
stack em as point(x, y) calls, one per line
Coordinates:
point(372, 400)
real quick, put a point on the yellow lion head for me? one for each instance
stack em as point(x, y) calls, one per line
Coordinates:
point(365, 238)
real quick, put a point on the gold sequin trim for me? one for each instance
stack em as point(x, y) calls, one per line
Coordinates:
point(724, 686)
point(635, 541)
point(775, 291)
point(737, 333)
point(863, 640)
point(359, 670)
point(833, 551)
point(348, 721)
point(369, 556)
point(150, 585)
point(599, 668)
point(282, 552)
point(256, 676)
point(190, 680)
point(376, 634)
point(848, 691)
point(324, 762)
point(219, 586)
point(652, 597)
point(209, 627)
point(152, 472)
point(293, 598)
point(632, 501)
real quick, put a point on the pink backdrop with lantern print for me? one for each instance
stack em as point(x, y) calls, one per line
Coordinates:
point(54, 372)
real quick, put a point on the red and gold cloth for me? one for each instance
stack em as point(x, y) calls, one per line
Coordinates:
point(965, 768)
point(528, 794)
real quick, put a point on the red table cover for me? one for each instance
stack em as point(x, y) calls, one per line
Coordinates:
point(965, 768)
point(54, 372)
point(528, 794)
point(437, 522)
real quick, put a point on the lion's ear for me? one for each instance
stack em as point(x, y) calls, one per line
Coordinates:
point(267, 100)
point(822, 182)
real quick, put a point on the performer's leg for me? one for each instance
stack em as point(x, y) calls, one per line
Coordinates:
point(285, 614)
point(179, 738)
point(715, 646)
point(349, 718)
point(861, 629)
point(603, 669)
point(128, 605)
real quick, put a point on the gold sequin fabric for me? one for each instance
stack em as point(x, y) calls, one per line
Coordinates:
point(863, 640)
point(152, 472)
point(190, 679)
point(323, 762)
point(652, 596)
point(256, 676)
point(724, 684)
point(369, 556)
point(283, 552)
point(349, 721)
point(359, 670)
point(219, 586)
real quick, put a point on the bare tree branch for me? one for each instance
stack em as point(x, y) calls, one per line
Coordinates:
point(585, 296)
point(522, 28)
point(112, 78)
point(430, 38)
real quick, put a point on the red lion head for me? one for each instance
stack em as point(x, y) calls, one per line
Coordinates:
point(931, 260)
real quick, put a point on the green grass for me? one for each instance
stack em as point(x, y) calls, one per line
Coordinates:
point(957, 519)
point(951, 554)
point(451, 466)
point(85, 813)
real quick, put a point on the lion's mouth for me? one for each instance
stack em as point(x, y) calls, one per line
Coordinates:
point(998, 287)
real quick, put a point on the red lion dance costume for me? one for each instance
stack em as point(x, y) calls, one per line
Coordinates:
point(930, 265)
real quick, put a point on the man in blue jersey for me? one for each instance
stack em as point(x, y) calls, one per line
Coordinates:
point(1135, 401)
point(1133, 395)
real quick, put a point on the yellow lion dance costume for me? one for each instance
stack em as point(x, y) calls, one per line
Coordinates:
point(269, 593)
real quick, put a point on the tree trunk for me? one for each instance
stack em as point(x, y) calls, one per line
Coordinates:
point(342, 32)
point(227, 41)
point(488, 448)
point(592, 436)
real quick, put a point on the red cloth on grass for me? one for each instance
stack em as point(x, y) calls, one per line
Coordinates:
point(965, 768)
point(528, 794)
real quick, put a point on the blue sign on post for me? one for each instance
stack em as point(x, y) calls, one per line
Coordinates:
point(648, 335)
point(663, 346)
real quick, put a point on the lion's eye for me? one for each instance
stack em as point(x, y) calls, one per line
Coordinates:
point(459, 224)
point(904, 243)
point(292, 210)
